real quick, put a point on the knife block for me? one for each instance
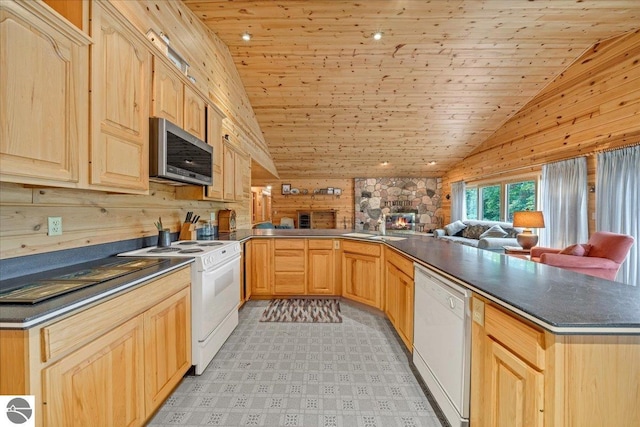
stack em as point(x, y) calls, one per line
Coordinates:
point(188, 232)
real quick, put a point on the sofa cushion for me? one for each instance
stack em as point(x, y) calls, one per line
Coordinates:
point(576, 250)
point(454, 228)
point(495, 231)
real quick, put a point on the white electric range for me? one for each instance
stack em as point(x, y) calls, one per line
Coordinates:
point(215, 292)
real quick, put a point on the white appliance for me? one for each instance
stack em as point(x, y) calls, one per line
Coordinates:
point(442, 342)
point(215, 292)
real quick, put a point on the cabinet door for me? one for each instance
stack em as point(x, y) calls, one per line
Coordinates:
point(260, 261)
point(214, 138)
point(321, 275)
point(121, 82)
point(100, 384)
point(242, 177)
point(399, 302)
point(168, 94)
point(44, 98)
point(514, 393)
point(167, 343)
point(361, 278)
point(229, 173)
point(194, 113)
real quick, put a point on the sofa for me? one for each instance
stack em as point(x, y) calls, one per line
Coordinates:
point(489, 235)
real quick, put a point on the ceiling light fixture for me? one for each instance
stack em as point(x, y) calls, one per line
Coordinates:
point(385, 163)
point(432, 162)
point(377, 35)
point(246, 36)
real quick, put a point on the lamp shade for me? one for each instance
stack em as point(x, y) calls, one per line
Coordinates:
point(528, 219)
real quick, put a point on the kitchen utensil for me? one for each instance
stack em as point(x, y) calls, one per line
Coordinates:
point(195, 219)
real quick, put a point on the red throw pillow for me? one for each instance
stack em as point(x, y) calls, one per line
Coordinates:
point(576, 250)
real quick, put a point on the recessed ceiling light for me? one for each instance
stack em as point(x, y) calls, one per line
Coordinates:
point(246, 37)
point(377, 35)
point(432, 162)
point(385, 163)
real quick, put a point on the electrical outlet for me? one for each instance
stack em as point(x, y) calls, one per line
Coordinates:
point(336, 244)
point(55, 225)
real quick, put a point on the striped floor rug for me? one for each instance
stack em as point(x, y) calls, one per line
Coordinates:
point(303, 310)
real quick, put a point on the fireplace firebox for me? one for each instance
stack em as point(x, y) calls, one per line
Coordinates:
point(400, 221)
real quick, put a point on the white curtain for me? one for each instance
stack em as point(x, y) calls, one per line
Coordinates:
point(564, 203)
point(618, 202)
point(458, 208)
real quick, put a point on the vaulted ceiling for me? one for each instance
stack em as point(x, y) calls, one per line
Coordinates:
point(333, 102)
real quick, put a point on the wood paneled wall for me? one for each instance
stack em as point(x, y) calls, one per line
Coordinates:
point(594, 105)
point(88, 217)
point(289, 205)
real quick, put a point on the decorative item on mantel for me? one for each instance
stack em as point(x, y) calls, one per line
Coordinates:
point(528, 220)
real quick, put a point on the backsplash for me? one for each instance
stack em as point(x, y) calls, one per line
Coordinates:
point(377, 196)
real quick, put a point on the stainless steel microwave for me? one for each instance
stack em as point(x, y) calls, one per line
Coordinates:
point(178, 156)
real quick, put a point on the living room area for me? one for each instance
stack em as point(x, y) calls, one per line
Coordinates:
point(571, 153)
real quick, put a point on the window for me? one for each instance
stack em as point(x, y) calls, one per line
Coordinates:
point(471, 195)
point(521, 196)
point(486, 202)
point(490, 197)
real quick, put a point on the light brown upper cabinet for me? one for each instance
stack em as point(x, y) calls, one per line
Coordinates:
point(120, 95)
point(194, 114)
point(44, 96)
point(168, 93)
point(214, 138)
point(236, 177)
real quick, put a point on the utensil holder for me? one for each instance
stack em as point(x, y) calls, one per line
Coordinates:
point(188, 232)
point(164, 238)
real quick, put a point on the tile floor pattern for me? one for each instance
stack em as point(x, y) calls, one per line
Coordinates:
point(350, 374)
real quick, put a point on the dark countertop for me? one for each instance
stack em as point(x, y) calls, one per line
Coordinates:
point(23, 316)
point(558, 300)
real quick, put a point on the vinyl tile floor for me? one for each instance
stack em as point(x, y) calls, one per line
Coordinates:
point(350, 374)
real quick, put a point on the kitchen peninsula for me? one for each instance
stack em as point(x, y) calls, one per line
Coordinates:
point(568, 342)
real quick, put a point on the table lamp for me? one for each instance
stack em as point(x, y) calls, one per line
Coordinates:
point(528, 220)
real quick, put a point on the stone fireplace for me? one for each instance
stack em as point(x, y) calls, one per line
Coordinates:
point(409, 203)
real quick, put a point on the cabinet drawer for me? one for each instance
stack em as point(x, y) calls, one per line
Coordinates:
point(372, 249)
point(289, 283)
point(67, 334)
point(320, 244)
point(289, 243)
point(403, 264)
point(289, 260)
point(525, 341)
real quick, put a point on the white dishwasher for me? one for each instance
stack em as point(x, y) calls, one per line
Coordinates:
point(442, 342)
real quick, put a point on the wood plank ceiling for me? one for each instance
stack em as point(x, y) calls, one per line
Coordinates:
point(333, 102)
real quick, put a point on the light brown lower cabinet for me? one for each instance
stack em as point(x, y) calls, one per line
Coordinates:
point(112, 364)
point(101, 383)
point(361, 272)
point(321, 266)
point(291, 267)
point(399, 290)
point(522, 375)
